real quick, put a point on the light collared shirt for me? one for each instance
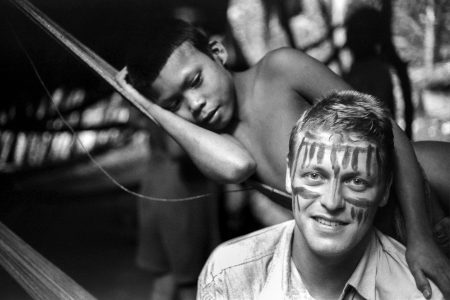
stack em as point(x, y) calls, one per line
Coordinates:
point(259, 266)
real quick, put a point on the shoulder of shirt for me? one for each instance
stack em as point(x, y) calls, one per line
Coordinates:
point(397, 268)
point(392, 247)
point(245, 249)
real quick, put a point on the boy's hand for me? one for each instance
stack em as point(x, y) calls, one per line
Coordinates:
point(425, 259)
point(121, 79)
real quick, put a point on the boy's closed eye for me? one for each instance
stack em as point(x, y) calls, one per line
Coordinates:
point(173, 104)
point(197, 80)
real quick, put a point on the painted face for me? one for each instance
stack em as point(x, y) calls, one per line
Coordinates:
point(336, 187)
point(196, 87)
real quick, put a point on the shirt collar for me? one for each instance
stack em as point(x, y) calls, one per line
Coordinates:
point(280, 279)
point(363, 278)
point(280, 272)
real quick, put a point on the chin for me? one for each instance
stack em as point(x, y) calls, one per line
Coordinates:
point(329, 248)
point(216, 127)
point(331, 245)
point(339, 246)
point(225, 120)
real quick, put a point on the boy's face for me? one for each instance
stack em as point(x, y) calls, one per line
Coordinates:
point(336, 187)
point(196, 87)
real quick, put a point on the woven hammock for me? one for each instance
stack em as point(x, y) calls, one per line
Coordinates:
point(38, 277)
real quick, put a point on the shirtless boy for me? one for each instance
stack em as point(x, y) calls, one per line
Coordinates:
point(234, 125)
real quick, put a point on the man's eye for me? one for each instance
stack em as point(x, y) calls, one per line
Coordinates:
point(357, 184)
point(358, 181)
point(313, 178)
point(197, 81)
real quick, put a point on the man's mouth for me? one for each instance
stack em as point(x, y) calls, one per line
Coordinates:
point(329, 222)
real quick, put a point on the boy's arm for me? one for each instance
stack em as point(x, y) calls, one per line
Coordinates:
point(218, 156)
point(312, 80)
point(422, 254)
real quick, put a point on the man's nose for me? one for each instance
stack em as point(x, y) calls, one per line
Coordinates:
point(333, 199)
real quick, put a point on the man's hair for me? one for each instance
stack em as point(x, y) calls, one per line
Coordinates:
point(152, 45)
point(350, 112)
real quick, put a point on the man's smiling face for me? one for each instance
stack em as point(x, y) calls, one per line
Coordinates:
point(337, 187)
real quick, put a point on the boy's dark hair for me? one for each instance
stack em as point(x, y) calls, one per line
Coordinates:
point(351, 111)
point(152, 45)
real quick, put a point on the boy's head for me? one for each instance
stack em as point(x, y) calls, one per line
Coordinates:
point(180, 69)
point(339, 170)
point(149, 53)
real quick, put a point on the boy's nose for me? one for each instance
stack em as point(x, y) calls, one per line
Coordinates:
point(196, 103)
point(333, 199)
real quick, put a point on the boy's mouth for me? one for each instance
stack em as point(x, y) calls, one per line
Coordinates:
point(208, 116)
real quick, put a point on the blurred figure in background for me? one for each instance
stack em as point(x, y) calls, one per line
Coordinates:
point(370, 71)
point(174, 238)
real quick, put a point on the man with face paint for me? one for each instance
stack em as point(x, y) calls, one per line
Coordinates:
point(235, 125)
point(339, 172)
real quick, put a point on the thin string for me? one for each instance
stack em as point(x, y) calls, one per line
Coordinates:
point(93, 160)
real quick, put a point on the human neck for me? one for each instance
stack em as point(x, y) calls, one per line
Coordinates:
point(242, 93)
point(324, 277)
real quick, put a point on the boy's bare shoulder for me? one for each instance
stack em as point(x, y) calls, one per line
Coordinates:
point(302, 73)
point(280, 60)
point(291, 66)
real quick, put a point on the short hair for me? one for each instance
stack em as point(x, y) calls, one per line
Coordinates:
point(151, 46)
point(355, 112)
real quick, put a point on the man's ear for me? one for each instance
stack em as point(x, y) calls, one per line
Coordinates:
point(218, 51)
point(288, 181)
point(386, 192)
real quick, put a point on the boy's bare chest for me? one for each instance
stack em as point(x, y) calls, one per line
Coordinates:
point(262, 144)
point(268, 117)
point(265, 132)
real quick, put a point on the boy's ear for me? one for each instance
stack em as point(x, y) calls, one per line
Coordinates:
point(218, 51)
point(386, 193)
point(288, 181)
